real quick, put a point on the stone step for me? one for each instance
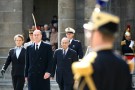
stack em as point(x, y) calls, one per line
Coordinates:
point(7, 85)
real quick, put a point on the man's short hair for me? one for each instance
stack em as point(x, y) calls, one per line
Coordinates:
point(19, 35)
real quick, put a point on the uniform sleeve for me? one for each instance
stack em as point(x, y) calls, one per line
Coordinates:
point(75, 57)
point(80, 51)
point(8, 61)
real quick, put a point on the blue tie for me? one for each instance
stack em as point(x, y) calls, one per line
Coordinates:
point(64, 53)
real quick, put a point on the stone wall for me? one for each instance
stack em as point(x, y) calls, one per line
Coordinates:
point(66, 14)
point(10, 25)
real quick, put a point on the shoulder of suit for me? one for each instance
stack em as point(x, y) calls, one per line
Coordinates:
point(59, 49)
point(47, 44)
point(11, 49)
point(76, 40)
point(72, 50)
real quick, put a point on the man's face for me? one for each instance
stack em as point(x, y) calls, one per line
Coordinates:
point(37, 36)
point(88, 37)
point(31, 37)
point(91, 38)
point(69, 35)
point(128, 37)
point(19, 41)
point(64, 43)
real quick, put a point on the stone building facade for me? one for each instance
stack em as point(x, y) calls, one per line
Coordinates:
point(15, 17)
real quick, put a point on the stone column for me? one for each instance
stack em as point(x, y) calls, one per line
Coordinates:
point(89, 7)
point(10, 25)
point(79, 20)
point(27, 16)
point(131, 16)
point(66, 16)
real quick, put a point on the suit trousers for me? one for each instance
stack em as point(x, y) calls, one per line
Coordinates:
point(65, 86)
point(18, 82)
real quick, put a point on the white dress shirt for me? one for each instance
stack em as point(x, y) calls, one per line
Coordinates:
point(18, 50)
point(38, 45)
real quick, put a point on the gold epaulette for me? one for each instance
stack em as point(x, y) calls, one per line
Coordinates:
point(123, 42)
point(85, 69)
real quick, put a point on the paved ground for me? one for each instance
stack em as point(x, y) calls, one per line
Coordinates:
point(7, 85)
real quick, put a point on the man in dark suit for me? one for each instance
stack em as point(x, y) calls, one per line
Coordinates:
point(63, 58)
point(17, 57)
point(38, 63)
point(74, 44)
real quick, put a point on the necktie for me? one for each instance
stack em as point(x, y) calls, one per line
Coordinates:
point(64, 53)
point(36, 47)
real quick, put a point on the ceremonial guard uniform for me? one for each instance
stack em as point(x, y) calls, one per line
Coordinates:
point(74, 44)
point(127, 46)
point(103, 70)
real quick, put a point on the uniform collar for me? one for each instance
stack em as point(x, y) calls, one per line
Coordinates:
point(103, 47)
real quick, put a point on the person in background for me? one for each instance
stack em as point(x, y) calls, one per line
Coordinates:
point(46, 34)
point(54, 38)
point(38, 63)
point(54, 20)
point(31, 39)
point(16, 56)
point(127, 46)
point(74, 44)
point(63, 59)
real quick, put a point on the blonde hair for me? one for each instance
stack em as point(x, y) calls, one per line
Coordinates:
point(19, 35)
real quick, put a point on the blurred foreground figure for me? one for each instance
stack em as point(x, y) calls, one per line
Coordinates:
point(102, 69)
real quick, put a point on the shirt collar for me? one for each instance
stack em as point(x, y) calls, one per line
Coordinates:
point(71, 40)
point(65, 50)
point(38, 44)
point(103, 47)
point(18, 47)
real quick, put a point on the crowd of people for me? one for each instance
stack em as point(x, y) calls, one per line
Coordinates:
point(38, 60)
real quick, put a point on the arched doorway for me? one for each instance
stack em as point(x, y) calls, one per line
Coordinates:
point(44, 10)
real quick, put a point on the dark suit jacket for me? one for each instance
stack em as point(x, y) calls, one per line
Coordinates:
point(18, 65)
point(64, 65)
point(76, 45)
point(37, 64)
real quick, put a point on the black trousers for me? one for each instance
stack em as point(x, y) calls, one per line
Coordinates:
point(18, 82)
point(65, 86)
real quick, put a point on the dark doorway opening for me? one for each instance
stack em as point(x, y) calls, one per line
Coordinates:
point(44, 10)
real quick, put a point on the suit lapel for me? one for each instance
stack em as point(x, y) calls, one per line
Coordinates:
point(20, 53)
point(40, 47)
point(15, 53)
point(67, 53)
